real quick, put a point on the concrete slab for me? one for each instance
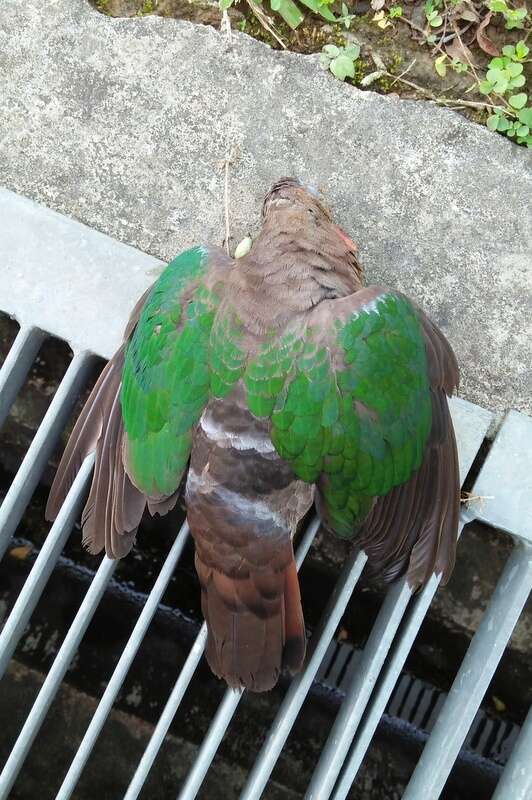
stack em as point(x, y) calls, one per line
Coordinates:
point(123, 124)
point(66, 278)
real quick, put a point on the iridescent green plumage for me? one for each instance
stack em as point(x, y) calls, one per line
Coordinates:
point(350, 405)
point(165, 381)
point(279, 380)
point(347, 396)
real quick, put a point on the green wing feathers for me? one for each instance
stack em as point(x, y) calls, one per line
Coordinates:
point(347, 392)
point(356, 416)
point(166, 379)
point(347, 389)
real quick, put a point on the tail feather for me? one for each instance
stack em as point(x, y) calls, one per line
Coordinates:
point(255, 625)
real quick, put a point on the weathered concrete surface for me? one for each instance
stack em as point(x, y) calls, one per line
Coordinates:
point(123, 124)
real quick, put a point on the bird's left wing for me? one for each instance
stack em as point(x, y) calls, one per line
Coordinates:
point(149, 396)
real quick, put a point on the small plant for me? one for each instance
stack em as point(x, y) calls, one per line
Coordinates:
point(514, 17)
point(146, 8)
point(434, 18)
point(504, 74)
point(340, 60)
point(289, 11)
point(442, 62)
point(346, 18)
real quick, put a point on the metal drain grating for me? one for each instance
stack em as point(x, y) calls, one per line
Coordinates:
point(418, 703)
point(39, 248)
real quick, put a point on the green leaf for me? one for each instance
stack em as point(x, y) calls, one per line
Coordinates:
point(322, 10)
point(497, 6)
point(436, 21)
point(395, 11)
point(290, 13)
point(518, 100)
point(440, 66)
point(503, 125)
point(508, 50)
point(517, 82)
point(224, 4)
point(342, 67)
point(525, 116)
point(492, 122)
point(458, 66)
point(485, 87)
point(514, 69)
point(331, 50)
point(521, 50)
point(353, 51)
point(523, 130)
point(498, 63)
point(501, 86)
point(495, 75)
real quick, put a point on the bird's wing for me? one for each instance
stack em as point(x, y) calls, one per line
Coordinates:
point(140, 414)
point(363, 413)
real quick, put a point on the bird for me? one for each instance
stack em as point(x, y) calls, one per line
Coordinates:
point(267, 385)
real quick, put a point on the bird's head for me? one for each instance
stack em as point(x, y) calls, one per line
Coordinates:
point(292, 195)
point(298, 201)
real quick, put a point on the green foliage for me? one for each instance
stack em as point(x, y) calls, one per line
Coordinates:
point(458, 66)
point(146, 8)
point(346, 18)
point(395, 11)
point(516, 52)
point(434, 18)
point(509, 112)
point(514, 17)
point(503, 74)
point(340, 60)
point(442, 62)
point(290, 12)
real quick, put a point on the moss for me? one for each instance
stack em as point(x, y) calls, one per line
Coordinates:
point(147, 8)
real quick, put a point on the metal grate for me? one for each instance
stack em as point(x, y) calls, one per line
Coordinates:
point(39, 248)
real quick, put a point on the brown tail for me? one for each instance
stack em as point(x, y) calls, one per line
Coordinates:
point(255, 624)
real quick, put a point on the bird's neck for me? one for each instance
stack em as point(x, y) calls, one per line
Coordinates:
point(289, 272)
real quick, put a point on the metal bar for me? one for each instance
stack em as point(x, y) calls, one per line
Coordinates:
point(516, 780)
point(53, 680)
point(473, 678)
point(210, 743)
point(225, 711)
point(229, 704)
point(165, 720)
point(289, 709)
point(16, 366)
point(359, 691)
point(41, 448)
point(117, 678)
point(43, 566)
point(322, 785)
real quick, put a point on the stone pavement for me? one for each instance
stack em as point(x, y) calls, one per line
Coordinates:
point(123, 124)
